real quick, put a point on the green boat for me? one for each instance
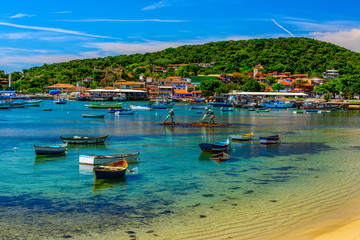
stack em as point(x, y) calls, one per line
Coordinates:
point(106, 105)
point(263, 110)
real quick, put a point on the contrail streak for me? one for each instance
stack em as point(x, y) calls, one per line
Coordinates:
point(283, 28)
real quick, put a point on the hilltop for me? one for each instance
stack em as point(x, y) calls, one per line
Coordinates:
point(295, 55)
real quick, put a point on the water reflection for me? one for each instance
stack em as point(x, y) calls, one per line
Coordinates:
point(103, 184)
point(49, 158)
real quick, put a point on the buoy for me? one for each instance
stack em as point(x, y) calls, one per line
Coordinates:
point(15, 148)
point(155, 114)
point(234, 150)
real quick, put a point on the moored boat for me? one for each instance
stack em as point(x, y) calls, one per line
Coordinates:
point(93, 115)
point(105, 159)
point(200, 107)
point(60, 101)
point(220, 157)
point(50, 149)
point(270, 139)
point(84, 139)
point(33, 102)
point(112, 170)
point(140, 108)
point(225, 109)
point(243, 137)
point(263, 110)
point(106, 105)
point(215, 147)
point(4, 105)
point(127, 112)
point(278, 104)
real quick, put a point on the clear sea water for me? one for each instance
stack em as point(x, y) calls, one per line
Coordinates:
point(314, 170)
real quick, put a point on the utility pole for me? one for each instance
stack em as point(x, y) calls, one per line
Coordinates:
point(10, 82)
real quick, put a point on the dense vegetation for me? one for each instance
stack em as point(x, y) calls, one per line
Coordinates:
point(295, 55)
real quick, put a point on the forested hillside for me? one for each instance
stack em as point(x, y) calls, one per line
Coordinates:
point(295, 55)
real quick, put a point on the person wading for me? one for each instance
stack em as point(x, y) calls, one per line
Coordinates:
point(212, 116)
point(170, 115)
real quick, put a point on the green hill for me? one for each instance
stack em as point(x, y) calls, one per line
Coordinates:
point(295, 55)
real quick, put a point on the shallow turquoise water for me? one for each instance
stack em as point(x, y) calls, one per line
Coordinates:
point(47, 196)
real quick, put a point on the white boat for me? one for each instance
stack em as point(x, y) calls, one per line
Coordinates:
point(33, 102)
point(105, 159)
point(140, 108)
point(50, 149)
point(225, 109)
point(243, 137)
point(124, 112)
point(4, 105)
point(93, 115)
point(277, 104)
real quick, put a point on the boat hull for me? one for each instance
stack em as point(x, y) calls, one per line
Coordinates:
point(106, 159)
point(49, 150)
point(113, 105)
point(102, 172)
point(93, 115)
point(214, 147)
point(84, 140)
point(270, 139)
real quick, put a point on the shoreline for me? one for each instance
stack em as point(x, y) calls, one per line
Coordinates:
point(344, 224)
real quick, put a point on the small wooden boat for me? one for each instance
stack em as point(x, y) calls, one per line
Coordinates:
point(298, 112)
point(312, 110)
point(93, 115)
point(215, 147)
point(220, 157)
point(47, 109)
point(105, 159)
point(4, 105)
point(60, 101)
point(84, 140)
point(263, 110)
point(140, 108)
point(200, 107)
point(106, 105)
point(127, 112)
point(224, 109)
point(112, 170)
point(33, 102)
point(270, 139)
point(324, 111)
point(50, 149)
point(244, 137)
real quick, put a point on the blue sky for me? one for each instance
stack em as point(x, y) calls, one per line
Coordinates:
point(36, 32)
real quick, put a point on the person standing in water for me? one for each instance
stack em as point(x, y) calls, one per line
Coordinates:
point(212, 116)
point(170, 115)
point(207, 114)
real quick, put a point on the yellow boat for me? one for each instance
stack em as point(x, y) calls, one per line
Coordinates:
point(244, 137)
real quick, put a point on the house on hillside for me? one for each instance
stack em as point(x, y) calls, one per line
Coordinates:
point(122, 84)
point(331, 73)
point(62, 87)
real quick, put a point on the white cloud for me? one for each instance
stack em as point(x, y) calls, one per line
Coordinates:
point(156, 5)
point(347, 39)
point(15, 50)
point(58, 30)
point(122, 20)
point(21, 15)
point(63, 12)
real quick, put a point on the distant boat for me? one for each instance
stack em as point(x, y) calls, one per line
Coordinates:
point(84, 140)
point(50, 149)
point(215, 147)
point(105, 159)
point(60, 101)
point(4, 105)
point(278, 104)
point(112, 170)
point(244, 137)
point(127, 112)
point(47, 109)
point(32, 102)
point(270, 139)
point(93, 115)
point(140, 108)
point(221, 104)
point(225, 109)
point(200, 107)
point(17, 104)
point(263, 110)
point(107, 105)
point(220, 157)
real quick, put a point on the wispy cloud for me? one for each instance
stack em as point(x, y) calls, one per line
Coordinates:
point(58, 30)
point(63, 12)
point(282, 28)
point(159, 4)
point(122, 20)
point(21, 15)
point(330, 26)
point(21, 50)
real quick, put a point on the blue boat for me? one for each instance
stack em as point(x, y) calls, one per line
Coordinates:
point(270, 139)
point(215, 147)
point(60, 101)
point(221, 104)
point(50, 149)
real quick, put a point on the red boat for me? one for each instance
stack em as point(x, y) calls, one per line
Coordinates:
point(316, 105)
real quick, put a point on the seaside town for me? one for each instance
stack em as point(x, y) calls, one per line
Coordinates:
point(180, 120)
